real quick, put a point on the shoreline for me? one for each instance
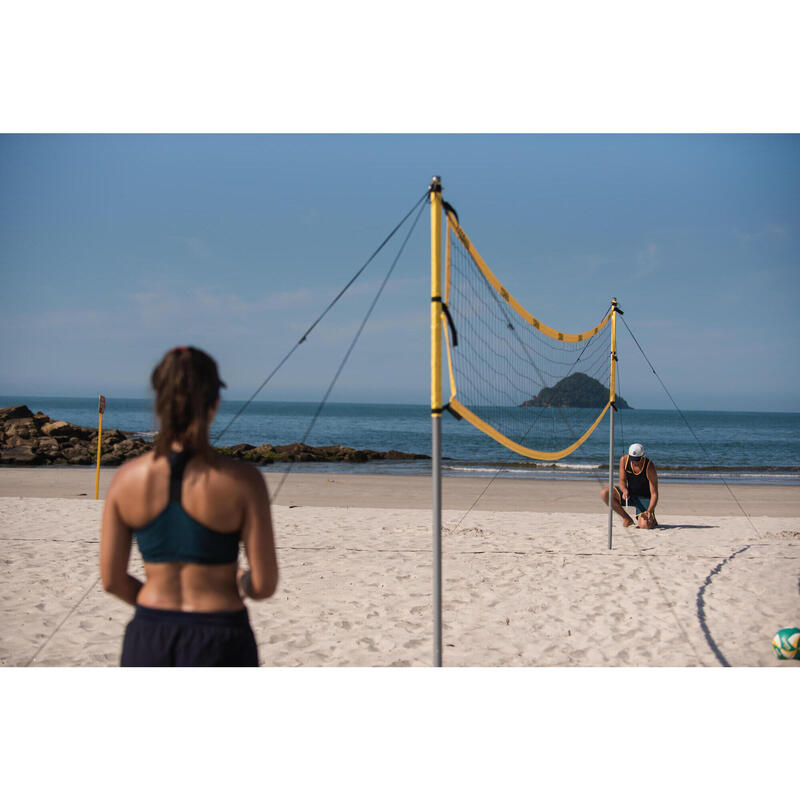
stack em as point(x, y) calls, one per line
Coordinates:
point(369, 490)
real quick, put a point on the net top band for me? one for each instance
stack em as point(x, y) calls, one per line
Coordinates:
point(560, 336)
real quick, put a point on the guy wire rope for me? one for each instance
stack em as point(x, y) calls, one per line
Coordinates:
point(353, 343)
point(691, 430)
point(701, 592)
point(281, 363)
point(333, 302)
point(631, 531)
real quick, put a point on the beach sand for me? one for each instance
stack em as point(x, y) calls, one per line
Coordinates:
point(528, 579)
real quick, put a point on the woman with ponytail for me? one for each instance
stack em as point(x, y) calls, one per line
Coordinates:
point(188, 508)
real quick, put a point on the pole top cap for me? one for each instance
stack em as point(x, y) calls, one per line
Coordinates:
point(436, 184)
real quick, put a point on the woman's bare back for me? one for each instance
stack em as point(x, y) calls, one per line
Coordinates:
point(219, 494)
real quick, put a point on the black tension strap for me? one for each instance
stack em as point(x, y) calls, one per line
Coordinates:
point(450, 322)
point(454, 413)
point(449, 208)
point(446, 408)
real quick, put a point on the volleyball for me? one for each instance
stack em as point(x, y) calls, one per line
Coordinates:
point(786, 643)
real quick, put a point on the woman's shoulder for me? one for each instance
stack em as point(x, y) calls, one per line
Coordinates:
point(235, 470)
point(133, 478)
point(135, 469)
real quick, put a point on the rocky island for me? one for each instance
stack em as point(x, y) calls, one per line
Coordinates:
point(574, 391)
point(28, 440)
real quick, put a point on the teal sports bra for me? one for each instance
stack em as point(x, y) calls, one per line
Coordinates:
point(175, 536)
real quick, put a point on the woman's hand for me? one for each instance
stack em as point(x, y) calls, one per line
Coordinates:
point(243, 582)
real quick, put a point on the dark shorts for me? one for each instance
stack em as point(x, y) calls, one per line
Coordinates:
point(159, 638)
point(641, 503)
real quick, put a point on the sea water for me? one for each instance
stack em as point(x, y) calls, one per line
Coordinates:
point(708, 446)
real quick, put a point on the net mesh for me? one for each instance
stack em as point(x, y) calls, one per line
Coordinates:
point(538, 391)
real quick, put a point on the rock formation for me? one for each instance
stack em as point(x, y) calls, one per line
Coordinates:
point(28, 440)
point(574, 391)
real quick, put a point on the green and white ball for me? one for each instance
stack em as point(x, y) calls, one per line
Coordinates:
point(786, 643)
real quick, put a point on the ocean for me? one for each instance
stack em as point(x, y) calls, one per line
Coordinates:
point(735, 447)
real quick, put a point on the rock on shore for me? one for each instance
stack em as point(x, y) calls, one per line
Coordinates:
point(28, 440)
point(269, 454)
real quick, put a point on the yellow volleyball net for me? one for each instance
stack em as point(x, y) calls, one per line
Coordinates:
point(536, 390)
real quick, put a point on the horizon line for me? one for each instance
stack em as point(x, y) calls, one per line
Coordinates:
point(33, 397)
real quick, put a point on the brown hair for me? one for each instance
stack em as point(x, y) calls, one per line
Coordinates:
point(187, 384)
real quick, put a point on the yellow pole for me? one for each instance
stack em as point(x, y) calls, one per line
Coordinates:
point(611, 411)
point(101, 407)
point(436, 410)
point(436, 296)
point(612, 389)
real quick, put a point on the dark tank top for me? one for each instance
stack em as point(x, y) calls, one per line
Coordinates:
point(175, 536)
point(638, 485)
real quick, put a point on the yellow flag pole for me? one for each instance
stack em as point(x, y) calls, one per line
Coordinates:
point(436, 410)
point(612, 411)
point(101, 407)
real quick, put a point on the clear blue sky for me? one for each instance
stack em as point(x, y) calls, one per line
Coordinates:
point(114, 248)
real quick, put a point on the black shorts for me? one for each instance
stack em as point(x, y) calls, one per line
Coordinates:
point(159, 638)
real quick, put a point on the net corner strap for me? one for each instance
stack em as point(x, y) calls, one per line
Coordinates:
point(447, 314)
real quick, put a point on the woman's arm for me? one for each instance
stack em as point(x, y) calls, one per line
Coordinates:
point(261, 580)
point(115, 550)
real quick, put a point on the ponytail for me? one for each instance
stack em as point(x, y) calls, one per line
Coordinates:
point(187, 383)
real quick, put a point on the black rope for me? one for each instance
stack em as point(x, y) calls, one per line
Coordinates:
point(319, 319)
point(61, 624)
point(691, 430)
point(701, 613)
point(352, 346)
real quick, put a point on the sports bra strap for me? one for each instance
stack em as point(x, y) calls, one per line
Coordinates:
point(177, 465)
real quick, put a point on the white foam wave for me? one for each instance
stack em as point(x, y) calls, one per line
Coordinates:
point(142, 434)
point(532, 468)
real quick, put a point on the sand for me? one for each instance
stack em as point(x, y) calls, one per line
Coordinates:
point(526, 582)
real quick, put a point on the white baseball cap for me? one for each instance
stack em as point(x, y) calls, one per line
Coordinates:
point(636, 450)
